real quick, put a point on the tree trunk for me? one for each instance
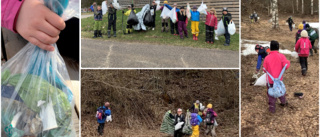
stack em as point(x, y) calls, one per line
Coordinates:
point(297, 5)
point(311, 7)
point(270, 11)
point(292, 7)
point(302, 6)
point(275, 19)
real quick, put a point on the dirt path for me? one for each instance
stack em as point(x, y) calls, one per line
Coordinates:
point(301, 116)
point(110, 54)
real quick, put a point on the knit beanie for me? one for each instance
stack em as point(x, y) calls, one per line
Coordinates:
point(300, 27)
point(209, 106)
point(304, 34)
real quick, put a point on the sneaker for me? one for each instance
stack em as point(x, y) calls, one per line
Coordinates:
point(152, 28)
point(225, 44)
point(211, 42)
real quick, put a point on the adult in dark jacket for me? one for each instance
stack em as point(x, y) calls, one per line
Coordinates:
point(290, 22)
point(97, 22)
point(179, 117)
point(153, 8)
point(112, 20)
point(226, 18)
point(173, 26)
point(262, 53)
point(104, 111)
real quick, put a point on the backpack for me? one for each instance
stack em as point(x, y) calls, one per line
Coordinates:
point(194, 119)
point(278, 89)
point(304, 49)
point(208, 117)
point(100, 115)
point(313, 35)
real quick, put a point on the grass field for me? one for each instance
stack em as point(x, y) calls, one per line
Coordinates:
point(156, 36)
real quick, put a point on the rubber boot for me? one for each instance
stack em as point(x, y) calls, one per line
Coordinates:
point(304, 71)
point(194, 37)
point(109, 34)
point(114, 33)
point(311, 52)
point(100, 34)
point(129, 31)
point(95, 34)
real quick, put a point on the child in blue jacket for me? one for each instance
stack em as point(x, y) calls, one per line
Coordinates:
point(102, 113)
point(195, 20)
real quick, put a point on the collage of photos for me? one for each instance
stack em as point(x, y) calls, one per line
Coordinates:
point(160, 68)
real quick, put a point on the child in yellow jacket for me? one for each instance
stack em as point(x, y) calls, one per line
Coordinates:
point(129, 27)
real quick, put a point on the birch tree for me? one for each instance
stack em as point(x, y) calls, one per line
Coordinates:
point(311, 7)
point(302, 6)
point(297, 5)
point(275, 19)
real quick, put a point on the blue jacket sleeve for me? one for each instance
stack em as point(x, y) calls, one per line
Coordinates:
point(259, 62)
point(169, 7)
point(91, 7)
point(200, 119)
point(107, 112)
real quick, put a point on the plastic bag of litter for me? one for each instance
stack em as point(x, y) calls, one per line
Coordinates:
point(109, 119)
point(116, 5)
point(203, 8)
point(178, 126)
point(132, 19)
point(187, 128)
point(188, 11)
point(104, 7)
point(165, 13)
point(173, 15)
point(158, 5)
point(261, 81)
point(220, 29)
point(140, 16)
point(148, 20)
point(216, 35)
point(232, 28)
point(72, 9)
point(36, 97)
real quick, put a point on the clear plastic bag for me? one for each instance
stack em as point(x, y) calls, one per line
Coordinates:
point(232, 28)
point(173, 15)
point(158, 5)
point(261, 81)
point(188, 11)
point(203, 8)
point(220, 29)
point(36, 99)
point(104, 7)
point(116, 5)
point(72, 10)
point(165, 13)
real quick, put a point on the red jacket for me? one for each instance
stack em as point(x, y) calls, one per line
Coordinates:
point(274, 63)
point(211, 20)
point(303, 47)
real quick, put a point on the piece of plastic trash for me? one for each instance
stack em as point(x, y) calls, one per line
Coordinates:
point(109, 119)
point(148, 19)
point(132, 19)
point(232, 28)
point(216, 36)
point(188, 11)
point(173, 15)
point(261, 81)
point(37, 74)
point(178, 126)
point(116, 5)
point(220, 29)
point(203, 8)
point(165, 13)
point(104, 7)
point(158, 5)
point(298, 94)
point(140, 15)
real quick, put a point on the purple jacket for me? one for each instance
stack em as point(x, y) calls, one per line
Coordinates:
point(9, 12)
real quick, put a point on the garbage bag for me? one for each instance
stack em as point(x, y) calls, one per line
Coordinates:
point(72, 10)
point(167, 125)
point(116, 5)
point(220, 29)
point(148, 19)
point(165, 13)
point(132, 19)
point(203, 8)
point(178, 126)
point(232, 28)
point(188, 11)
point(36, 97)
point(173, 15)
point(104, 7)
point(158, 5)
point(187, 128)
point(109, 119)
point(216, 35)
point(140, 16)
point(261, 81)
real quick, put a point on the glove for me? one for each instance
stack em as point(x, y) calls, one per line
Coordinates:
point(169, 111)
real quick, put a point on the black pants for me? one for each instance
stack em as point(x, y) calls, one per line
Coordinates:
point(304, 62)
point(227, 35)
point(100, 128)
point(311, 50)
point(178, 133)
point(174, 26)
point(290, 27)
point(112, 23)
point(209, 33)
point(129, 26)
point(154, 21)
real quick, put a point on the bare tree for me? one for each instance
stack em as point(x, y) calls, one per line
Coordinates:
point(292, 7)
point(297, 5)
point(302, 6)
point(275, 19)
point(311, 7)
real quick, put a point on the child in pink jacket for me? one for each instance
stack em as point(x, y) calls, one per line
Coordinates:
point(274, 63)
point(211, 25)
point(33, 21)
point(303, 47)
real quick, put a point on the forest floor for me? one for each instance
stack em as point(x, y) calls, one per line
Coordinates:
point(301, 116)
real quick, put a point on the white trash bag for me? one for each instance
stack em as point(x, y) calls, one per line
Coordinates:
point(165, 13)
point(178, 126)
point(116, 5)
point(261, 81)
point(188, 11)
point(232, 28)
point(220, 30)
point(173, 15)
point(109, 119)
point(202, 8)
point(158, 5)
point(104, 7)
point(216, 36)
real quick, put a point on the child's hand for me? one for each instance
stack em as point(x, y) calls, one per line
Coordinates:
point(37, 24)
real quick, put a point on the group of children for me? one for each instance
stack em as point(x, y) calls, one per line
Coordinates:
point(274, 61)
point(178, 28)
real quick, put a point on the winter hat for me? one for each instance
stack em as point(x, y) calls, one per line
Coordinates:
point(274, 45)
point(198, 102)
point(304, 34)
point(179, 110)
point(304, 22)
point(194, 7)
point(182, 7)
point(165, 2)
point(307, 26)
point(209, 106)
point(300, 27)
point(225, 9)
